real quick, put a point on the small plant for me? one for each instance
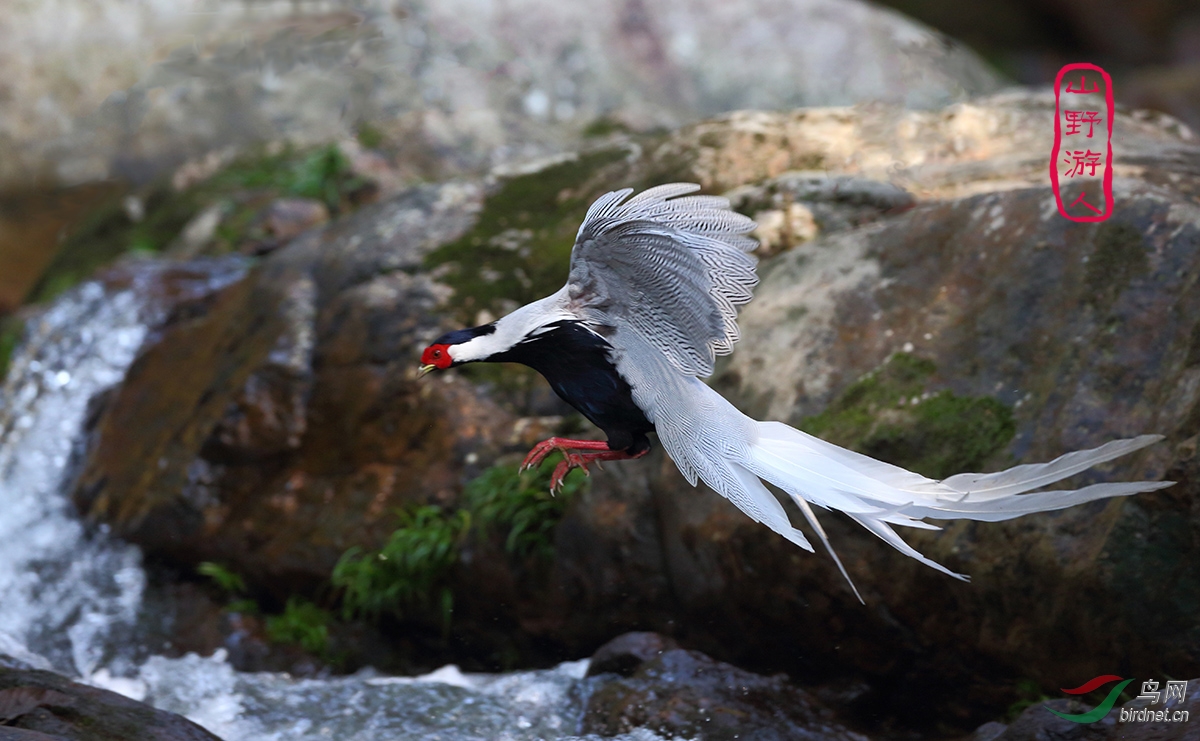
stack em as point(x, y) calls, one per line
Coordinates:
point(408, 570)
point(226, 580)
point(1029, 693)
point(301, 623)
point(325, 175)
point(522, 504)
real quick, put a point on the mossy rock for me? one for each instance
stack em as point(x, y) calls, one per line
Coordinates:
point(152, 219)
point(891, 415)
point(1118, 258)
point(520, 247)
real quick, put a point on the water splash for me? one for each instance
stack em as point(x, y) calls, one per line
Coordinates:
point(71, 596)
point(66, 593)
point(446, 705)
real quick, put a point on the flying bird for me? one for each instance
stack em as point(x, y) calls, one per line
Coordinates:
point(650, 302)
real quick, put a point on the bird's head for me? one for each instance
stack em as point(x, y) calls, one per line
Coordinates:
point(458, 347)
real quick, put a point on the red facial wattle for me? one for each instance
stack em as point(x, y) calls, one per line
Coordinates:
point(438, 356)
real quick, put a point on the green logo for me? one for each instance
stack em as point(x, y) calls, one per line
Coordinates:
point(1100, 710)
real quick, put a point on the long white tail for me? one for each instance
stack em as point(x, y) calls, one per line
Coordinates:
point(878, 495)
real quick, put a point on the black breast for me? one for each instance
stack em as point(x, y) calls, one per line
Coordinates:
point(576, 363)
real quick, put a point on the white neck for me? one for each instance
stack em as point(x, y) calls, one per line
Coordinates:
point(512, 328)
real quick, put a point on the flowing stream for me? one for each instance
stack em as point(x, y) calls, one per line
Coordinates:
point(71, 597)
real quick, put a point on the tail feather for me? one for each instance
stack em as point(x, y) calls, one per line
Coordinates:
point(878, 495)
point(816, 526)
point(1036, 475)
point(743, 488)
point(995, 510)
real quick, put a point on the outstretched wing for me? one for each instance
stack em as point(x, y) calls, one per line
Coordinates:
point(671, 269)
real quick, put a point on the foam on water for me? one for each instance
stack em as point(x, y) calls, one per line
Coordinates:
point(70, 596)
point(66, 594)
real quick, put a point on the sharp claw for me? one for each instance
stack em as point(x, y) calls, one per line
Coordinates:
point(537, 455)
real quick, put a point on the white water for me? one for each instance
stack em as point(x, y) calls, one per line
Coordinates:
point(66, 596)
point(70, 599)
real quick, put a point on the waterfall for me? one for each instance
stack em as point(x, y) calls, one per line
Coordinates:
point(71, 595)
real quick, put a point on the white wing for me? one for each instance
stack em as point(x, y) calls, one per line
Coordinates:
point(671, 269)
point(666, 274)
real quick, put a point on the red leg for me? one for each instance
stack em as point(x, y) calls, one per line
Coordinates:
point(581, 460)
point(561, 444)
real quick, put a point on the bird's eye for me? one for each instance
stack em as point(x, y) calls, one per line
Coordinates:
point(437, 353)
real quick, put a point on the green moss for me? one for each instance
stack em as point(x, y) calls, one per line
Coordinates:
point(852, 415)
point(370, 136)
point(108, 232)
point(889, 415)
point(244, 187)
point(521, 506)
point(1119, 257)
point(604, 126)
point(520, 246)
point(302, 623)
point(10, 335)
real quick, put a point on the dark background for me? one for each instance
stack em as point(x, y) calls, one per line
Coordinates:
point(1150, 47)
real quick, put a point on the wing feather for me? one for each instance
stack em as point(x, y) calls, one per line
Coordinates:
point(670, 266)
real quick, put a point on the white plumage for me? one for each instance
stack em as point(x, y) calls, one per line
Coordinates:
point(659, 277)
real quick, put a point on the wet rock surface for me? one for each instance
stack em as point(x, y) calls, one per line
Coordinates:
point(936, 245)
point(625, 653)
point(685, 693)
point(43, 706)
point(294, 381)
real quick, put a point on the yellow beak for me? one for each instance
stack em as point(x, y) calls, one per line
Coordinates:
point(425, 369)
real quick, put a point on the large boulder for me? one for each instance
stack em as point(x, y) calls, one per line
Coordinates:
point(125, 89)
point(38, 705)
point(932, 308)
point(688, 694)
point(284, 402)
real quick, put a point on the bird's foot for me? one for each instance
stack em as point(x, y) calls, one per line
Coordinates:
point(562, 445)
point(573, 459)
point(569, 462)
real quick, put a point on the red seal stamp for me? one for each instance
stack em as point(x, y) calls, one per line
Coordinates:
point(1081, 161)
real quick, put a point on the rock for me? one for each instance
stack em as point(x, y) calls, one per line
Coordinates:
point(625, 653)
point(945, 317)
point(685, 693)
point(42, 706)
point(982, 279)
point(780, 229)
point(1037, 723)
point(288, 217)
point(449, 86)
point(324, 331)
point(988, 731)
